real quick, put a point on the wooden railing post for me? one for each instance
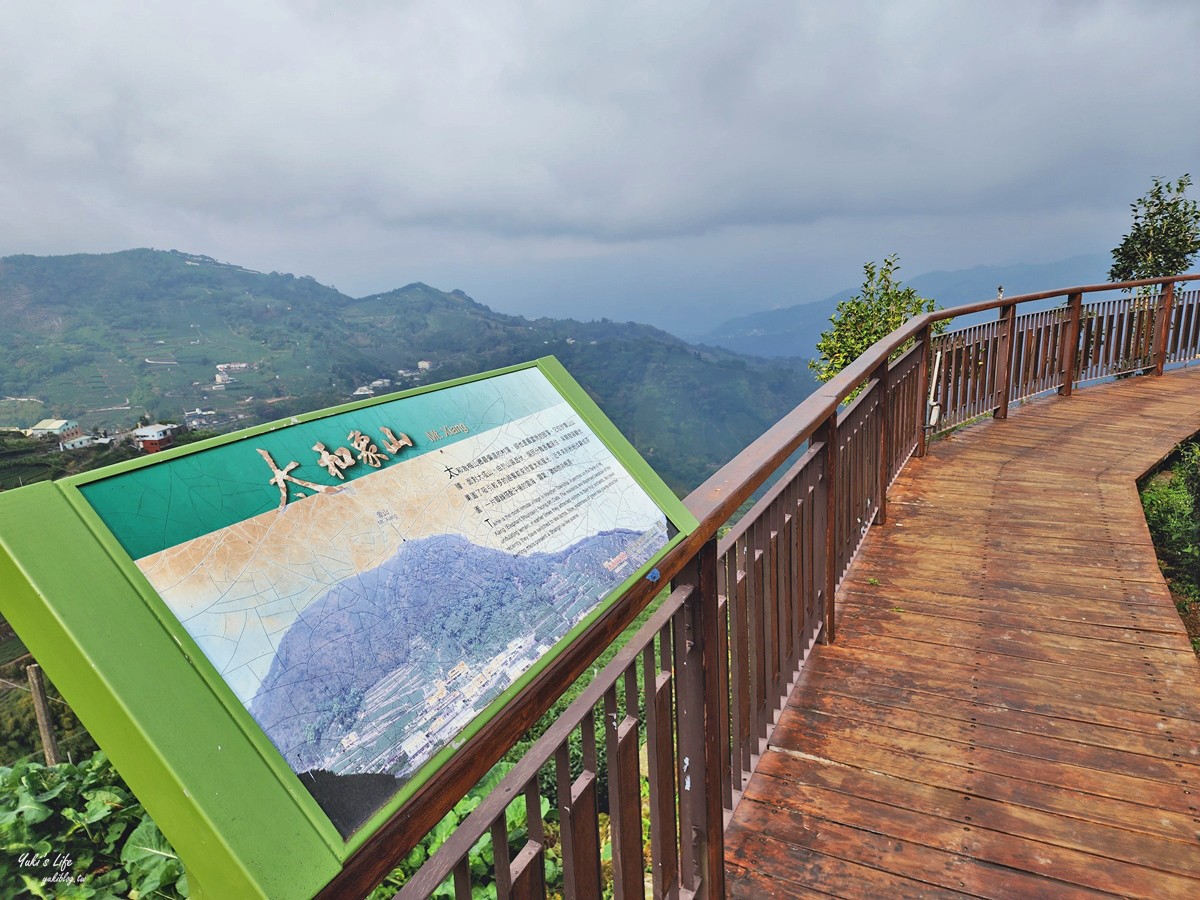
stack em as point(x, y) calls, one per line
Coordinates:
point(700, 752)
point(1004, 360)
point(41, 709)
point(829, 437)
point(1162, 327)
point(882, 382)
point(926, 340)
point(1070, 344)
point(579, 834)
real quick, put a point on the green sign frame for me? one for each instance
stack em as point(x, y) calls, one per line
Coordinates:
point(219, 788)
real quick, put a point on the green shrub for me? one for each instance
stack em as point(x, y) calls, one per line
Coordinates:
point(1171, 501)
point(78, 832)
point(481, 856)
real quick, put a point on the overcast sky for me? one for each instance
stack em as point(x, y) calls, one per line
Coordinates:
point(670, 162)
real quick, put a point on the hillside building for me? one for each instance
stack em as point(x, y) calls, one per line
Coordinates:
point(77, 443)
point(152, 438)
point(62, 430)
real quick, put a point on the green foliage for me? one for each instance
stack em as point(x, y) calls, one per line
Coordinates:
point(77, 831)
point(882, 306)
point(548, 782)
point(194, 436)
point(11, 648)
point(1165, 236)
point(481, 857)
point(1188, 472)
point(481, 853)
point(24, 461)
point(1171, 501)
point(18, 722)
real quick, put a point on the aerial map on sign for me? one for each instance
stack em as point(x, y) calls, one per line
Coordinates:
point(369, 582)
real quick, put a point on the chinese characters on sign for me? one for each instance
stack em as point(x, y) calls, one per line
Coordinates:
point(282, 477)
point(521, 478)
point(349, 619)
point(341, 458)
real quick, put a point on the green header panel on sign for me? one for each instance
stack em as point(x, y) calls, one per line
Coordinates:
point(358, 590)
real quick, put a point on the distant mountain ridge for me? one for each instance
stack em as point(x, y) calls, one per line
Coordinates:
point(104, 338)
point(793, 330)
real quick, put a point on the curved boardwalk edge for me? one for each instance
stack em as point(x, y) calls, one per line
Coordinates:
point(1012, 707)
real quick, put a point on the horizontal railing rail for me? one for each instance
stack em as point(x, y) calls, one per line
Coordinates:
point(675, 723)
point(661, 647)
point(979, 370)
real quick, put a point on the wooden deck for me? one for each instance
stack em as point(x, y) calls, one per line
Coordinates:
point(1012, 707)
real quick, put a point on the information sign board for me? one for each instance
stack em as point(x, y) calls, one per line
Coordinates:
point(289, 629)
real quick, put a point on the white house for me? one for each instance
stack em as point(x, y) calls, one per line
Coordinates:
point(153, 438)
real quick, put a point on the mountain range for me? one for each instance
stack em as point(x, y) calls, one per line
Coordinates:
point(793, 330)
point(106, 338)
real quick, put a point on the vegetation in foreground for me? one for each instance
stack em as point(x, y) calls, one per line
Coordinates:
point(882, 306)
point(46, 811)
point(1171, 500)
point(1165, 235)
point(18, 723)
point(76, 831)
point(24, 460)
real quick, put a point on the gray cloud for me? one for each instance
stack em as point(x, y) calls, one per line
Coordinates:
point(385, 141)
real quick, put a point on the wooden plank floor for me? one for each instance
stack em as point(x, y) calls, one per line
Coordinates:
point(1012, 708)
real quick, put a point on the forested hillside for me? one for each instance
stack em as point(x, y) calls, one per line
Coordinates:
point(106, 338)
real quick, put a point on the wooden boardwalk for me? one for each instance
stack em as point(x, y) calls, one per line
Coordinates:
point(1012, 707)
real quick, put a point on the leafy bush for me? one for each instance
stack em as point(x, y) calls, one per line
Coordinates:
point(1171, 501)
point(1165, 236)
point(882, 306)
point(481, 856)
point(77, 831)
point(547, 777)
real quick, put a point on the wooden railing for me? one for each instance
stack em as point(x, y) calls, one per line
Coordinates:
point(701, 682)
point(983, 368)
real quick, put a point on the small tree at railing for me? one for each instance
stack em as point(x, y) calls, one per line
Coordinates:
point(1165, 236)
point(882, 306)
